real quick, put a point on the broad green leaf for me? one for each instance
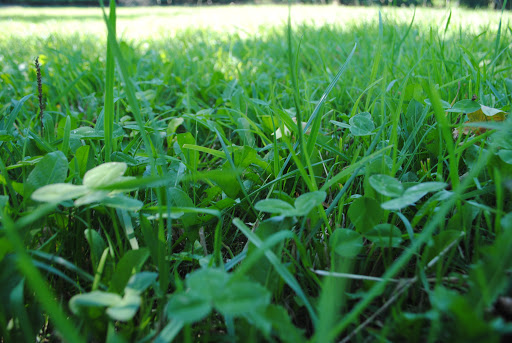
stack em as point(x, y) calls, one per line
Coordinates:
point(95, 242)
point(244, 156)
point(506, 156)
point(174, 123)
point(403, 201)
point(224, 178)
point(93, 299)
point(191, 156)
point(346, 243)
point(361, 124)
point(84, 160)
point(139, 282)
point(413, 194)
point(188, 307)
point(53, 168)
point(208, 282)
point(501, 140)
point(465, 106)
point(275, 206)
point(239, 297)
point(130, 263)
point(386, 185)
point(307, 202)
point(413, 115)
point(59, 192)
point(303, 204)
point(414, 92)
point(104, 174)
point(365, 213)
point(125, 309)
point(426, 187)
point(178, 198)
point(385, 236)
point(86, 132)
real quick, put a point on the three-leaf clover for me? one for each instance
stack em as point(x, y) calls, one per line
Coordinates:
point(96, 188)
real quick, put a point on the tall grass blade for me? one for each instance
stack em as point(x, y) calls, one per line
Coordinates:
point(38, 285)
point(108, 117)
point(421, 239)
point(280, 268)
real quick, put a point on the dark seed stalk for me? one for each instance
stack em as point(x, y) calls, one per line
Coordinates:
point(40, 91)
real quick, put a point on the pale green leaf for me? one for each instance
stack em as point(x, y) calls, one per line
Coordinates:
point(104, 174)
point(386, 185)
point(188, 307)
point(307, 202)
point(91, 197)
point(241, 297)
point(361, 124)
point(385, 236)
point(125, 309)
point(51, 169)
point(93, 299)
point(346, 243)
point(275, 206)
point(59, 192)
point(365, 213)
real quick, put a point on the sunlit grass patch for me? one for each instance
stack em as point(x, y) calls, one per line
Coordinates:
point(157, 22)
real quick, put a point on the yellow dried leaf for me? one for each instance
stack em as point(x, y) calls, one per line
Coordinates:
point(486, 114)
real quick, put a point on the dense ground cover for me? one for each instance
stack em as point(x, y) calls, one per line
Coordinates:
point(176, 197)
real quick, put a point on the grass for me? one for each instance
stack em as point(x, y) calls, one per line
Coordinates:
point(223, 176)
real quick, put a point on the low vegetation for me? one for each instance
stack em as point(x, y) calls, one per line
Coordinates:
point(328, 180)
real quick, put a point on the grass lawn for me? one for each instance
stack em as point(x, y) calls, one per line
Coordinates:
point(215, 174)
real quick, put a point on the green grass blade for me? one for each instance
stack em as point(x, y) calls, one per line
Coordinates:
point(108, 117)
point(398, 264)
point(38, 285)
point(129, 89)
point(65, 138)
point(350, 169)
point(376, 63)
point(280, 268)
point(322, 100)
point(170, 331)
